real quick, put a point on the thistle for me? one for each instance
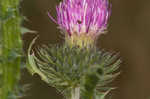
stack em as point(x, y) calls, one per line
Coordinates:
point(82, 20)
point(77, 69)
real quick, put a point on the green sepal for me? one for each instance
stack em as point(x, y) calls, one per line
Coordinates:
point(31, 65)
point(66, 68)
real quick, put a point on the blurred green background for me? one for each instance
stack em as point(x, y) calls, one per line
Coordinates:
point(128, 34)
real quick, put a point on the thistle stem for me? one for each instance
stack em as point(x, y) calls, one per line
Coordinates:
point(75, 93)
point(11, 46)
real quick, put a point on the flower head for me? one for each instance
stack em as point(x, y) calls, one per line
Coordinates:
point(83, 17)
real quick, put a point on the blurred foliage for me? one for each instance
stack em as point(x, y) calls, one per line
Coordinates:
point(10, 48)
point(67, 68)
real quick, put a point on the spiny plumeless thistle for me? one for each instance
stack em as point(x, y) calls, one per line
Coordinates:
point(77, 69)
point(82, 20)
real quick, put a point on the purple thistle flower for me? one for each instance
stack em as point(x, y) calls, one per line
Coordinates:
point(83, 16)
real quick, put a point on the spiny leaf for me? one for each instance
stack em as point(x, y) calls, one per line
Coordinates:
point(26, 30)
point(102, 95)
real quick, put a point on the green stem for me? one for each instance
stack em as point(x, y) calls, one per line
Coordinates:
point(10, 29)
